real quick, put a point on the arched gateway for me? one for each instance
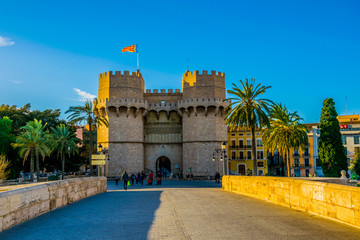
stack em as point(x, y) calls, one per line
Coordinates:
point(184, 126)
point(163, 163)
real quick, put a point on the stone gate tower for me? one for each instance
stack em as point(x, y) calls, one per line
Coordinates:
point(172, 131)
point(203, 111)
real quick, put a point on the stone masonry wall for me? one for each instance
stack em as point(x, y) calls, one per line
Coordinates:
point(125, 156)
point(171, 151)
point(198, 156)
point(205, 84)
point(20, 204)
point(325, 199)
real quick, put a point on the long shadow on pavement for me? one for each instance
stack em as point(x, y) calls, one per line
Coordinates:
point(116, 214)
point(110, 215)
point(168, 184)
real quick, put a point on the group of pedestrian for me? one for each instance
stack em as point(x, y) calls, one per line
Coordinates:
point(131, 180)
point(140, 177)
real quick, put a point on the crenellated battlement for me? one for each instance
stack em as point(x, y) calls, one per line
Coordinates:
point(162, 91)
point(197, 100)
point(205, 102)
point(121, 101)
point(203, 84)
point(204, 73)
point(152, 105)
point(118, 73)
point(121, 85)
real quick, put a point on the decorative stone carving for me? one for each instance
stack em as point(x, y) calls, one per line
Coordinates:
point(343, 174)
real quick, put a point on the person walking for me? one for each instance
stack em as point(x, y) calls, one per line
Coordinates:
point(217, 177)
point(132, 179)
point(151, 177)
point(142, 177)
point(117, 180)
point(138, 176)
point(125, 178)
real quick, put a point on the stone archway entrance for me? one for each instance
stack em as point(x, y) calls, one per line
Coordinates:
point(163, 163)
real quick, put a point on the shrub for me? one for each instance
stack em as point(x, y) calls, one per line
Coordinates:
point(4, 164)
point(53, 177)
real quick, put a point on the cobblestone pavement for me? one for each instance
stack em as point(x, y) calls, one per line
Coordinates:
point(177, 210)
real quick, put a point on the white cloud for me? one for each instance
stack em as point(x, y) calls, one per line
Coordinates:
point(17, 82)
point(83, 96)
point(5, 42)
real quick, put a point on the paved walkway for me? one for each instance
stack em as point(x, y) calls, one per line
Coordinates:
point(177, 210)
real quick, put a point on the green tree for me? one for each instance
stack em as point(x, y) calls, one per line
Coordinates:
point(19, 117)
point(85, 114)
point(331, 151)
point(355, 163)
point(285, 133)
point(248, 110)
point(34, 141)
point(5, 136)
point(65, 143)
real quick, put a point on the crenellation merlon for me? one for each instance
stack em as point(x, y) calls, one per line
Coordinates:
point(204, 73)
point(122, 100)
point(161, 91)
point(204, 100)
point(170, 104)
point(118, 73)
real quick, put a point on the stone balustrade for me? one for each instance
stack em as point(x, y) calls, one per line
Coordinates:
point(334, 201)
point(20, 204)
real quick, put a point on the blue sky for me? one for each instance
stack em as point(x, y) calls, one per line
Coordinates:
point(306, 50)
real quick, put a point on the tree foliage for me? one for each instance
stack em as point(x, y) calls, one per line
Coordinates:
point(5, 136)
point(34, 141)
point(85, 114)
point(65, 143)
point(19, 117)
point(331, 151)
point(285, 133)
point(248, 110)
point(355, 163)
point(4, 166)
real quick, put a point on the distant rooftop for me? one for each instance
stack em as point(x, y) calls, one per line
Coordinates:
point(348, 118)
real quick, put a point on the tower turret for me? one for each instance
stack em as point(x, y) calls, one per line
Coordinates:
point(203, 112)
point(121, 100)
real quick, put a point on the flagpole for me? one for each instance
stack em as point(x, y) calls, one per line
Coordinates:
point(137, 56)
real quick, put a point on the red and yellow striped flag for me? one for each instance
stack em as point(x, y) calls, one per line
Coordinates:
point(131, 48)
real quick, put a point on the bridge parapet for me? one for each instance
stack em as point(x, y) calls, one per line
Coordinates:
point(334, 201)
point(21, 204)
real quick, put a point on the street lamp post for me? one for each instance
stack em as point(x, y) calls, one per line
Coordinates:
point(217, 162)
point(104, 151)
point(228, 166)
point(220, 152)
point(99, 167)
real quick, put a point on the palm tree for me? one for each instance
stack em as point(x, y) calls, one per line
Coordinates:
point(248, 110)
point(79, 114)
point(65, 143)
point(285, 133)
point(34, 142)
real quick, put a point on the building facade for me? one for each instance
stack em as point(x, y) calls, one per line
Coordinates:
point(350, 133)
point(303, 164)
point(239, 150)
point(151, 130)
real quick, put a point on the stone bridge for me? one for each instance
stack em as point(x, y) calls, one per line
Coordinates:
point(177, 210)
